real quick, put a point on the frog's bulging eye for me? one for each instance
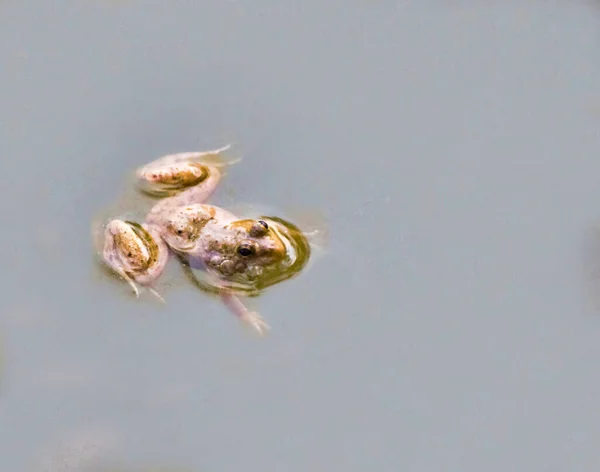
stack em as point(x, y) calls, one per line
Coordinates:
point(245, 250)
point(259, 229)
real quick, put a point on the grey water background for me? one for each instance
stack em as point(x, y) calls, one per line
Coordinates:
point(453, 148)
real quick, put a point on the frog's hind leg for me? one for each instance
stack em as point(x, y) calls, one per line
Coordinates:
point(136, 253)
point(111, 256)
point(186, 178)
point(163, 254)
point(173, 173)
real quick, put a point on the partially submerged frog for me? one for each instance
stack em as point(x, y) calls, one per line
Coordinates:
point(237, 256)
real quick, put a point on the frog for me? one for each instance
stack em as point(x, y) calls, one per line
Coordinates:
point(237, 256)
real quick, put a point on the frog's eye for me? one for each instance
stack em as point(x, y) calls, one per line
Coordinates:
point(246, 249)
point(259, 229)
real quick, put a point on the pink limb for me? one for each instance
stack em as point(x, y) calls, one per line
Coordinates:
point(250, 318)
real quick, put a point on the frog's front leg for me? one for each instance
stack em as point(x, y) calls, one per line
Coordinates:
point(188, 177)
point(135, 252)
point(251, 318)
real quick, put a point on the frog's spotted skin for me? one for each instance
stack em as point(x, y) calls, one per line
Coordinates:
point(135, 252)
point(239, 255)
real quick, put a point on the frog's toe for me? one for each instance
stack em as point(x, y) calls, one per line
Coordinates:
point(157, 295)
point(257, 322)
point(133, 286)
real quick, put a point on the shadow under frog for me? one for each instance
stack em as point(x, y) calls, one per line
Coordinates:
point(235, 257)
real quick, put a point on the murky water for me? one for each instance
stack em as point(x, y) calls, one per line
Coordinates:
point(453, 148)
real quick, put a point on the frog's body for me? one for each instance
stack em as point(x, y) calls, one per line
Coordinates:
point(239, 255)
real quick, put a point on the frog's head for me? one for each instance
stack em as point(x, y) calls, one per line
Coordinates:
point(264, 252)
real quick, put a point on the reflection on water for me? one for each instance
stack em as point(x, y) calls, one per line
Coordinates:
point(92, 451)
point(82, 451)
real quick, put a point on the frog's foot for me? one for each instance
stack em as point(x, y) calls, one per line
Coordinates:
point(156, 294)
point(254, 320)
point(136, 290)
point(121, 273)
point(250, 318)
point(189, 157)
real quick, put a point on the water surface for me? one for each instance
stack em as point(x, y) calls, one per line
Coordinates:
point(453, 148)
